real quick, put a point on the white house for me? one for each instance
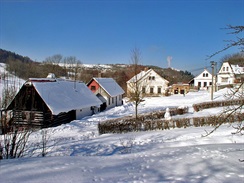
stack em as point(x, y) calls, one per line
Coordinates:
point(108, 91)
point(203, 80)
point(229, 74)
point(150, 83)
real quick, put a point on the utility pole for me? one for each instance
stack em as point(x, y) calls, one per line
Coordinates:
point(212, 65)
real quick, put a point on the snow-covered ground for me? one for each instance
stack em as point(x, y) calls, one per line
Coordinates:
point(77, 153)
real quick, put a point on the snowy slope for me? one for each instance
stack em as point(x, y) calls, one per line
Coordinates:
point(9, 80)
point(77, 153)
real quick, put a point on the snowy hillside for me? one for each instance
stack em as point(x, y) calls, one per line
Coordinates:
point(8, 79)
point(77, 153)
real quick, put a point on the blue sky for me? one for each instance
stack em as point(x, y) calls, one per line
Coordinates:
point(104, 32)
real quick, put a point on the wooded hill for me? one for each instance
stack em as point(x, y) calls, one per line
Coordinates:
point(6, 56)
point(25, 68)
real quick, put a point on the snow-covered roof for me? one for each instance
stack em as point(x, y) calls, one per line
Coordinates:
point(237, 69)
point(110, 86)
point(63, 96)
point(139, 76)
point(142, 75)
point(200, 75)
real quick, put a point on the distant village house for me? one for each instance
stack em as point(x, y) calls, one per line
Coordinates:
point(230, 74)
point(180, 88)
point(203, 80)
point(150, 83)
point(108, 91)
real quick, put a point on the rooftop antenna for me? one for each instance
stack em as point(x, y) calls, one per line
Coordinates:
point(169, 59)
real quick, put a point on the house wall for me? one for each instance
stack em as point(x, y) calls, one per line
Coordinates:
point(111, 101)
point(114, 101)
point(81, 113)
point(94, 86)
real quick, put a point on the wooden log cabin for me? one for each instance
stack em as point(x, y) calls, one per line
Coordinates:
point(47, 102)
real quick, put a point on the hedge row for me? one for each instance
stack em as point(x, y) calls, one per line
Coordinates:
point(207, 105)
point(126, 125)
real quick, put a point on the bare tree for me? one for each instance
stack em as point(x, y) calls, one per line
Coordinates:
point(239, 42)
point(74, 66)
point(14, 143)
point(43, 144)
point(134, 90)
point(54, 61)
point(14, 139)
point(237, 92)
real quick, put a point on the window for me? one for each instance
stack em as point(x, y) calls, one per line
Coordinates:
point(199, 84)
point(206, 74)
point(143, 90)
point(203, 74)
point(151, 90)
point(159, 90)
point(151, 77)
point(227, 69)
point(204, 84)
point(224, 80)
point(93, 88)
point(112, 100)
point(223, 68)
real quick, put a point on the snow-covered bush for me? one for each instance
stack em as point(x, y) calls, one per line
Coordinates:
point(207, 105)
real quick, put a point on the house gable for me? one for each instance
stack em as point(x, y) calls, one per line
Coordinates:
point(205, 75)
point(93, 86)
point(149, 75)
point(225, 68)
point(150, 83)
point(28, 99)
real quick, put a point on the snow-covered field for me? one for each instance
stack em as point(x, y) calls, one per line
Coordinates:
point(77, 153)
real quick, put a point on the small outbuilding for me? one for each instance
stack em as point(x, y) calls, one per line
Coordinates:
point(180, 88)
point(108, 91)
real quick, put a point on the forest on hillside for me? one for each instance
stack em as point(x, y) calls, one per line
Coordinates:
point(71, 68)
